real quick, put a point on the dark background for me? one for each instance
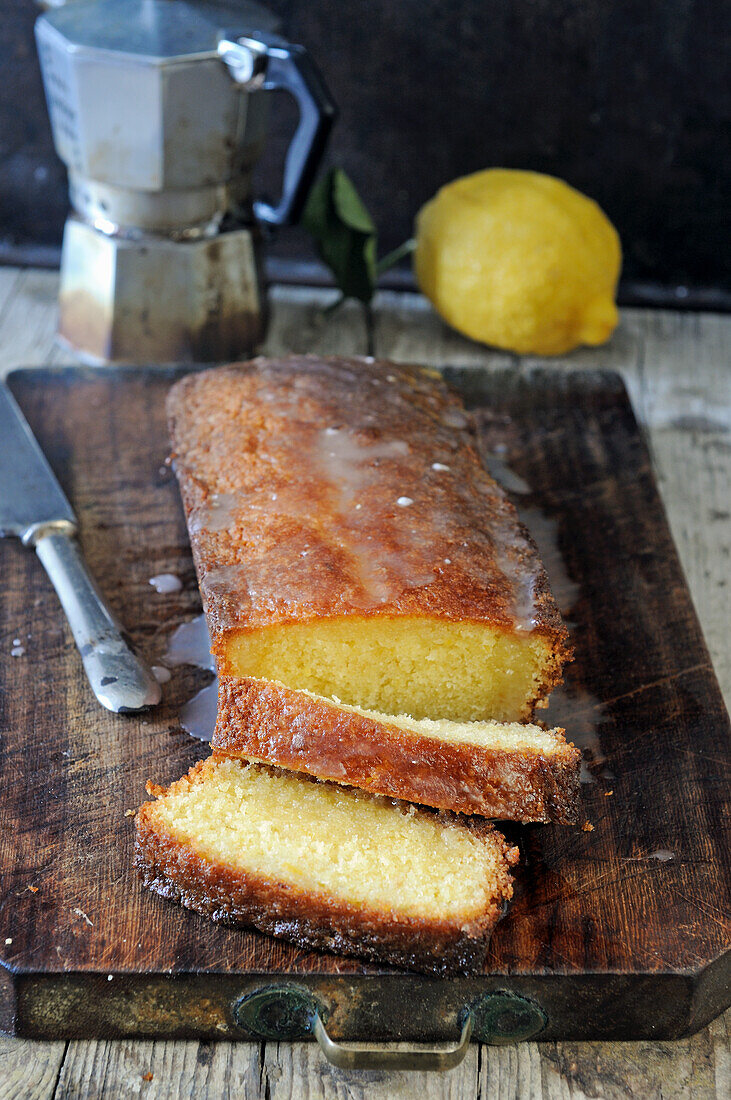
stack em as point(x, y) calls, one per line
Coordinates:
point(628, 101)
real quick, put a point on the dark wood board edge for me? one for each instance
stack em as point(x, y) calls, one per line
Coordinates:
point(472, 382)
point(8, 1001)
point(369, 1008)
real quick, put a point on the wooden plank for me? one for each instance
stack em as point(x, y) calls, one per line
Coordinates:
point(29, 1069)
point(107, 1070)
point(240, 1071)
point(28, 324)
point(406, 329)
point(289, 1066)
point(684, 371)
point(699, 511)
point(689, 1069)
point(301, 322)
point(9, 285)
point(685, 398)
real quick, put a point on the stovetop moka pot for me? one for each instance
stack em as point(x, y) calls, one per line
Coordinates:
point(159, 110)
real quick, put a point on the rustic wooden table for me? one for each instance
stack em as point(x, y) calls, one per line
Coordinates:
point(676, 367)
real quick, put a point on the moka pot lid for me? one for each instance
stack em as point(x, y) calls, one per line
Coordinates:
point(155, 30)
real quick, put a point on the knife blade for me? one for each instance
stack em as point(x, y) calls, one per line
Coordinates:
point(34, 508)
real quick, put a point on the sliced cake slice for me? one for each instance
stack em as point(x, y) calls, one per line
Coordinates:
point(349, 541)
point(325, 866)
point(506, 771)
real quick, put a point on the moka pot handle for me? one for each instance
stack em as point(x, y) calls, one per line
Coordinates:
point(267, 62)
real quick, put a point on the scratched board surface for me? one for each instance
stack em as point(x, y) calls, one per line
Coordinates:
point(618, 931)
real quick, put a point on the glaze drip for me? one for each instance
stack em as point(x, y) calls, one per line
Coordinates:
point(339, 471)
point(190, 644)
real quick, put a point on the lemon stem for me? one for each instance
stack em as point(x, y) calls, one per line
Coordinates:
point(370, 327)
point(392, 258)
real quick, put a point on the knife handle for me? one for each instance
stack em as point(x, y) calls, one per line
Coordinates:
point(118, 678)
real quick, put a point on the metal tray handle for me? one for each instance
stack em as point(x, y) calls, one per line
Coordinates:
point(383, 1058)
point(288, 1012)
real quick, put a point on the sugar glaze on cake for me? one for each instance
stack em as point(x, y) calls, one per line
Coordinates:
point(339, 506)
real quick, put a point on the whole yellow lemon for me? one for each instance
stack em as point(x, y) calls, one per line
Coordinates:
point(519, 260)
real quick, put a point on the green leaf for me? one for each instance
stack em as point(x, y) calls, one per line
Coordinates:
point(349, 204)
point(344, 234)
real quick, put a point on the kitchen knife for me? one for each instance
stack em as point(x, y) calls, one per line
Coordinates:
point(34, 508)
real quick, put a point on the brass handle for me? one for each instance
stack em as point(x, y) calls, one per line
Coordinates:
point(289, 1012)
point(383, 1058)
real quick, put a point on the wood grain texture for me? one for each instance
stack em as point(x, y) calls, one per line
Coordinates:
point(107, 1070)
point(29, 1069)
point(690, 1069)
point(648, 346)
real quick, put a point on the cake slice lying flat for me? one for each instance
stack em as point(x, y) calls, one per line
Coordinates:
point(506, 771)
point(325, 866)
point(348, 541)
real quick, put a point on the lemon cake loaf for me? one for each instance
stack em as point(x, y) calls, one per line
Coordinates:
point(326, 866)
point(508, 771)
point(349, 542)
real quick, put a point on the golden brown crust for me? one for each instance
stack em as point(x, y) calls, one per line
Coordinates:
point(321, 488)
point(260, 720)
point(315, 922)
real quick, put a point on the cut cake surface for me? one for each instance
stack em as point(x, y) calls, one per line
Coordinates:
point(505, 771)
point(325, 866)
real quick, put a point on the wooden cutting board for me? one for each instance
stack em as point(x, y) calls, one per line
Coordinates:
point(618, 932)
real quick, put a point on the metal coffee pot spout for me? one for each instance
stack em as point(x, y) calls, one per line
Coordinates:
point(160, 112)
